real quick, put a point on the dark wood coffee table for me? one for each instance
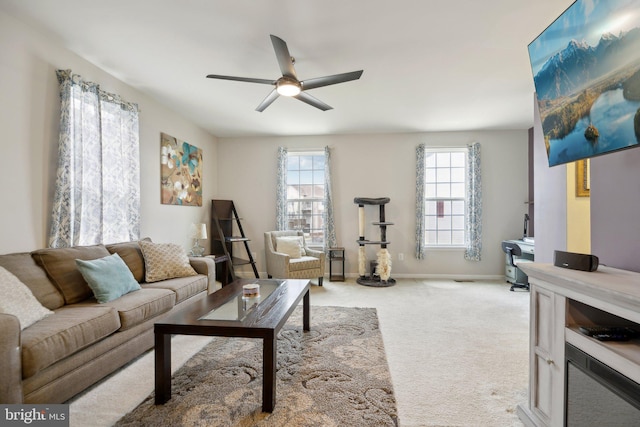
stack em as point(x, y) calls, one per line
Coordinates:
point(226, 313)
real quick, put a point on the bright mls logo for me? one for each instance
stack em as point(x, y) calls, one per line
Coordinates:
point(34, 415)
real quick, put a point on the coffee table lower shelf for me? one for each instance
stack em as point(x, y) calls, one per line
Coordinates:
point(264, 321)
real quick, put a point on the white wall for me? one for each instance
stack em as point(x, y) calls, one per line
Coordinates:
point(383, 166)
point(29, 115)
point(241, 169)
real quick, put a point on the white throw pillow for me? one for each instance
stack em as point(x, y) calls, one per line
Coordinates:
point(18, 300)
point(290, 245)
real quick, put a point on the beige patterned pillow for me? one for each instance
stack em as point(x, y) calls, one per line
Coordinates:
point(165, 261)
point(18, 300)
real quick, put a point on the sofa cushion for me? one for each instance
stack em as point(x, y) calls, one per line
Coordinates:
point(109, 277)
point(60, 265)
point(183, 287)
point(138, 307)
point(70, 329)
point(132, 256)
point(18, 300)
point(165, 261)
point(24, 267)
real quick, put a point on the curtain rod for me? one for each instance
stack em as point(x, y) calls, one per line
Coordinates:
point(302, 150)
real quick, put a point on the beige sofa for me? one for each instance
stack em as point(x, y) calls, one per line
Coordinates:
point(83, 341)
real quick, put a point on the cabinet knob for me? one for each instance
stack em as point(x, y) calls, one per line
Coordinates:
point(549, 361)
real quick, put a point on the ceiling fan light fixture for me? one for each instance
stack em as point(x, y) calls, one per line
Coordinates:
point(288, 87)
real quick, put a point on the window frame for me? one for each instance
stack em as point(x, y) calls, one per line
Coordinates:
point(428, 214)
point(316, 197)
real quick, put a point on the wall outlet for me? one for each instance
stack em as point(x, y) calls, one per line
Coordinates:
point(400, 257)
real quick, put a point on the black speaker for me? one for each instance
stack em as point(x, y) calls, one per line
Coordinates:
point(575, 261)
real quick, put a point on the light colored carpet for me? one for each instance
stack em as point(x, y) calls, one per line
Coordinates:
point(334, 375)
point(457, 353)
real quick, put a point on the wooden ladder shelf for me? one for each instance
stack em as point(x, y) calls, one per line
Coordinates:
point(223, 218)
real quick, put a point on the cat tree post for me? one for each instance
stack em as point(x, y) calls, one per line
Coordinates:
point(381, 276)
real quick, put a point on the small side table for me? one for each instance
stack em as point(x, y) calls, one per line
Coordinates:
point(336, 255)
point(222, 268)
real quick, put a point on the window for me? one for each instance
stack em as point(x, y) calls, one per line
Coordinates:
point(306, 195)
point(445, 197)
point(97, 198)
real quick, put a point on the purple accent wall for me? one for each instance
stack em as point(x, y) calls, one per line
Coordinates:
point(531, 210)
point(615, 209)
point(550, 190)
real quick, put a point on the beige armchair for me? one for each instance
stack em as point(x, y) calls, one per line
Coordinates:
point(289, 257)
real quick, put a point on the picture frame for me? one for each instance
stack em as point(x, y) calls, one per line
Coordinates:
point(586, 72)
point(180, 172)
point(583, 178)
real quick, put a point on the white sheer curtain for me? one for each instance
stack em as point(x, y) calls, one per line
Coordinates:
point(97, 197)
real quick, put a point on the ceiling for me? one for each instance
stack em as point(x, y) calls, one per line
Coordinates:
point(428, 65)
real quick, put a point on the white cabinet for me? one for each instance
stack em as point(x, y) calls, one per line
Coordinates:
point(562, 300)
point(546, 368)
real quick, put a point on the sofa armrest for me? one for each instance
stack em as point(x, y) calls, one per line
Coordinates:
point(10, 360)
point(206, 266)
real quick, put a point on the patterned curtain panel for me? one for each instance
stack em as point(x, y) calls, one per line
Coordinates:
point(281, 190)
point(330, 240)
point(420, 202)
point(97, 197)
point(474, 204)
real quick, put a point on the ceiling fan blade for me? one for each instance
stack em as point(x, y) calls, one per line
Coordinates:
point(242, 79)
point(267, 101)
point(305, 97)
point(330, 80)
point(284, 57)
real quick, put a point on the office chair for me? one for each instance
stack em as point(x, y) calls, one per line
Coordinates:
point(512, 249)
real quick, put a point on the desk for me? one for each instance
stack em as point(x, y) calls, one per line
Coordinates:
point(514, 274)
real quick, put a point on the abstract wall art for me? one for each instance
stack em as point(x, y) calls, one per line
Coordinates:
point(180, 172)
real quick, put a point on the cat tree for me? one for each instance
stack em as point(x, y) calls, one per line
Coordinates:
point(380, 271)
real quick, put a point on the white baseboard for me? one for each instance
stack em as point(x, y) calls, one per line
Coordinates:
point(459, 277)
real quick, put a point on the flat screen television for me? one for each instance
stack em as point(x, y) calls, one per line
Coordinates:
point(586, 68)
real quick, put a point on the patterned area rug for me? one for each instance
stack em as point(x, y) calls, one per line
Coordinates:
point(334, 375)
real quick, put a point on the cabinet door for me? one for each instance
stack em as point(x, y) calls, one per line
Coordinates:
point(547, 356)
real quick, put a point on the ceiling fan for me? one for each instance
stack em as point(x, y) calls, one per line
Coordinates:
point(288, 84)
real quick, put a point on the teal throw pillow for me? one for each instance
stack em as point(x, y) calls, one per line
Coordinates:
point(109, 277)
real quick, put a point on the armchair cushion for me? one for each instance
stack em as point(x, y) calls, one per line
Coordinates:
point(290, 245)
point(304, 263)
